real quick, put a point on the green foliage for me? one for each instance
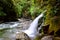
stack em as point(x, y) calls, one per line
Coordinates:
point(7, 10)
point(29, 6)
point(19, 6)
point(52, 17)
point(31, 9)
point(2, 13)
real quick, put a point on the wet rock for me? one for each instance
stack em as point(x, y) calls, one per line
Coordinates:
point(47, 38)
point(24, 23)
point(22, 36)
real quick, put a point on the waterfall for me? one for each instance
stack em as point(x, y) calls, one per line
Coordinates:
point(32, 30)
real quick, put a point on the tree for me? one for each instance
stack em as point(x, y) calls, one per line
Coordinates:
point(9, 10)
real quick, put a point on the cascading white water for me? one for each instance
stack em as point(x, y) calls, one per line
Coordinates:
point(32, 30)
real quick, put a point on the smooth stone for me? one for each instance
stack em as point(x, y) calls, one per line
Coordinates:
point(47, 38)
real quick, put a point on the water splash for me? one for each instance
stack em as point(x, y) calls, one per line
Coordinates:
point(32, 30)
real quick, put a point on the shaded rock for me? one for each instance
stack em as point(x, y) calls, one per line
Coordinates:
point(45, 29)
point(47, 38)
point(58, 33)
point(56, 38)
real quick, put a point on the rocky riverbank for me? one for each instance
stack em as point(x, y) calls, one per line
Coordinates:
point(8, 29)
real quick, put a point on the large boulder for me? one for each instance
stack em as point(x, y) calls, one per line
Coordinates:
point(22, 36)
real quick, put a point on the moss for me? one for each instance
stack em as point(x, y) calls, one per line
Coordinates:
point(52, 15)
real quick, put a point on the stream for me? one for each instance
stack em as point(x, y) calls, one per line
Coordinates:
point(8, 29)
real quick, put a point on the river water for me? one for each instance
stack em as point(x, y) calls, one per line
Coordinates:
point(8, 29)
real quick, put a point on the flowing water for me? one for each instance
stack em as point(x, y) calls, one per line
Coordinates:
point(8, 30)
point(32, 30)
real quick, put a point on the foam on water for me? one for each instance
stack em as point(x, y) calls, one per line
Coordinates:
point(9, 25)
point(32, 30)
